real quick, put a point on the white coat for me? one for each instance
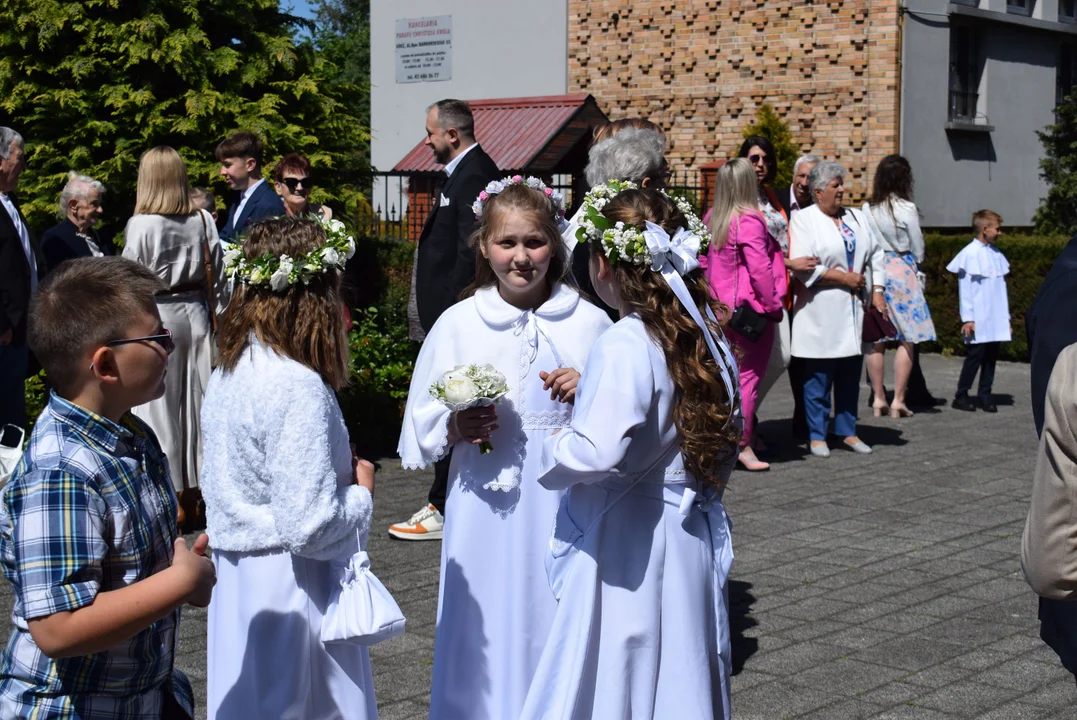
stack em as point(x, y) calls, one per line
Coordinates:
point(828, 320)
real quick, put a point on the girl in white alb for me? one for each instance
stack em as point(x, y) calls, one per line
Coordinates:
point(284, 494)
point(641, 551)
point(495, 606)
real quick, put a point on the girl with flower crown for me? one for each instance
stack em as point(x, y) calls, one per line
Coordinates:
point(641, 550)
point(285, 495)
point(495, 605)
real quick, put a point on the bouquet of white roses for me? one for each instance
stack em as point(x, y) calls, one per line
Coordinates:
point(468, 386)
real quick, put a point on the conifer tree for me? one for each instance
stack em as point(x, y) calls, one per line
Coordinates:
point(1057, 213)
point(92, 84)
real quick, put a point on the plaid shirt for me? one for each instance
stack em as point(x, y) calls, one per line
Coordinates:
point(89, 509)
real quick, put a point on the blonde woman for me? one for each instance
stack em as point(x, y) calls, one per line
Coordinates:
point(746, 270)
point(171, 236)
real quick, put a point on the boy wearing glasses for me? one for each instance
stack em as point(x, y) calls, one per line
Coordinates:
point(240, 156)
point(88, 537)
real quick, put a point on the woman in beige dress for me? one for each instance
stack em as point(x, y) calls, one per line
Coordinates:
point(171, 236)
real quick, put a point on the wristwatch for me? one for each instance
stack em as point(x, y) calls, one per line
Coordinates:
point(878, 289)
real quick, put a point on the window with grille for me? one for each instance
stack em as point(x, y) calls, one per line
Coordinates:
point(1067, 10)
point(964, 73)
point(1019, 7)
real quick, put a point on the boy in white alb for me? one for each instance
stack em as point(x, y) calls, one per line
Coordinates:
point(981, 271)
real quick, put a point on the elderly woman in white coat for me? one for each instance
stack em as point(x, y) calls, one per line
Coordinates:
point(828, 317)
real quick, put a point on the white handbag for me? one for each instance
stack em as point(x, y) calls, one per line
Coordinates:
point(360, 609)
point(11, 437)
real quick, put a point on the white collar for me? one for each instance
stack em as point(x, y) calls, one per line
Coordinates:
point(793, 203)
point(250, 191)
point(495, 312)
point(456, 160)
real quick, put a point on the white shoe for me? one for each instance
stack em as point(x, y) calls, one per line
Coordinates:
point(427, 524)
point(859, 447)
point(819, 451)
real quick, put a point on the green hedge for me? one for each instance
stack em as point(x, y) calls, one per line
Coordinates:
point(1030, 258)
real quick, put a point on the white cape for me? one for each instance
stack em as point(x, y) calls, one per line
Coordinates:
point(495, 606)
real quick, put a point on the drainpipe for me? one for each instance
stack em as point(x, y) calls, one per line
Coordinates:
point(901, 72)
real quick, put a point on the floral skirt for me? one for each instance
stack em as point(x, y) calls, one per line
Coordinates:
point(905, 299)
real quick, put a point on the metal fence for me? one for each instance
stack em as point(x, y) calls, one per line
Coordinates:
point(398, 205)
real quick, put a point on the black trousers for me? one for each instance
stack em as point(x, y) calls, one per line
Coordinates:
point(436, 497)
point(981, 357)
point(796, 384)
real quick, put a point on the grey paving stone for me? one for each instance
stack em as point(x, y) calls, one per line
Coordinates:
point(874, 587)
point(967, 699)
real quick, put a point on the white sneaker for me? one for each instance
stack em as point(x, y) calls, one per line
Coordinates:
point(427, 524)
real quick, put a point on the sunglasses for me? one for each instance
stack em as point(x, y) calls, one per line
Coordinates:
point(757, 158)
point(294, 183)
point(164, 340)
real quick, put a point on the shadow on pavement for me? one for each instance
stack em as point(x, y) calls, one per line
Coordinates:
point(740, 607)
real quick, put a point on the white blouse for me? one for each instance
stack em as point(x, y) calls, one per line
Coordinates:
point(277, 470)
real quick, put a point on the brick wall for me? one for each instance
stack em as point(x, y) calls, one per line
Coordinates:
point(700, 69)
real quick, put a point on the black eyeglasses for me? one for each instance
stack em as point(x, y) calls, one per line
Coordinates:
point(756, 159)
point(164, 340)
point(294, 183)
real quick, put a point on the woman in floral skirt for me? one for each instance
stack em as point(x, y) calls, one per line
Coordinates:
point(897, 224)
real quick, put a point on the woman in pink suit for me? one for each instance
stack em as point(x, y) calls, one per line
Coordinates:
point(745, 267)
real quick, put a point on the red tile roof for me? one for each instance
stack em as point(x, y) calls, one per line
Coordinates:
point(515, 132)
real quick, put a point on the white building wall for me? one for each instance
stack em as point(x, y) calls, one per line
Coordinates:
point(500, 48)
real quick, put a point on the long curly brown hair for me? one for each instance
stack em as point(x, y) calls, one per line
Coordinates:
point(304, 323)
point(703, 406)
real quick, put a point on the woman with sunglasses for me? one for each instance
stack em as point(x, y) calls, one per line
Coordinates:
point(760, 153)
point(171, 236)
point(291, 177)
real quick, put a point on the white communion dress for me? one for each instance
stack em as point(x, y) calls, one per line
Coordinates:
point(641, 552)
point(281, 504)
point(495, 606)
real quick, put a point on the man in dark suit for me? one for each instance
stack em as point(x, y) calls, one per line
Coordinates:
point(1050, 328)
point(793, 198)
point(20, 264)
point(444, 264)
point(75, 236)
point(240, 156)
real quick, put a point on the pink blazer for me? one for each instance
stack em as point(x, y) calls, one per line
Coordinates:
point(749, 268)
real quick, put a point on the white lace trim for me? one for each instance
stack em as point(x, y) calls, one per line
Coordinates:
point(440, 451)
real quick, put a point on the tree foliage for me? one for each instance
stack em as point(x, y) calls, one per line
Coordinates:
point(92, 84)
point(769, 124)
point(1057, 213)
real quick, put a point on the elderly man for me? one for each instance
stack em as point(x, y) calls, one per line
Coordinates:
point(20, 263)
point(74, 236)
point(444, 264)
point(798, 195)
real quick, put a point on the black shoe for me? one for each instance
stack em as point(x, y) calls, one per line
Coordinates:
point(987, 406)
point(962, 402)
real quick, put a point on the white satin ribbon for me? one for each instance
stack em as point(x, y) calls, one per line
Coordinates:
point(673, 258)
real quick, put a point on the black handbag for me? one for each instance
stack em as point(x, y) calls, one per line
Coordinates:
point(745, 321)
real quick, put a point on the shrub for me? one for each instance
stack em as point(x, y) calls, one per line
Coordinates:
point(1030, 258)
point(378, 280)
point(770, 125)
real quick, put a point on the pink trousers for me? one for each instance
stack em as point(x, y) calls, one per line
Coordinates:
point(753, 360)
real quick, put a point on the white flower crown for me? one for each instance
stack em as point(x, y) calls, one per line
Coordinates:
point(280, 273)
point(497, 186)
point(626, 243)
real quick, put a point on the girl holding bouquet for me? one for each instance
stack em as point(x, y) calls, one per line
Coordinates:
point(641, 550)
point(521, 318)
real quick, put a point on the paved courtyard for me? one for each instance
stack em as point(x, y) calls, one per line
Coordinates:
point(885, 586)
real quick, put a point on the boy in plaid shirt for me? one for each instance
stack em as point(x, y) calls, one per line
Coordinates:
point(88, 535)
